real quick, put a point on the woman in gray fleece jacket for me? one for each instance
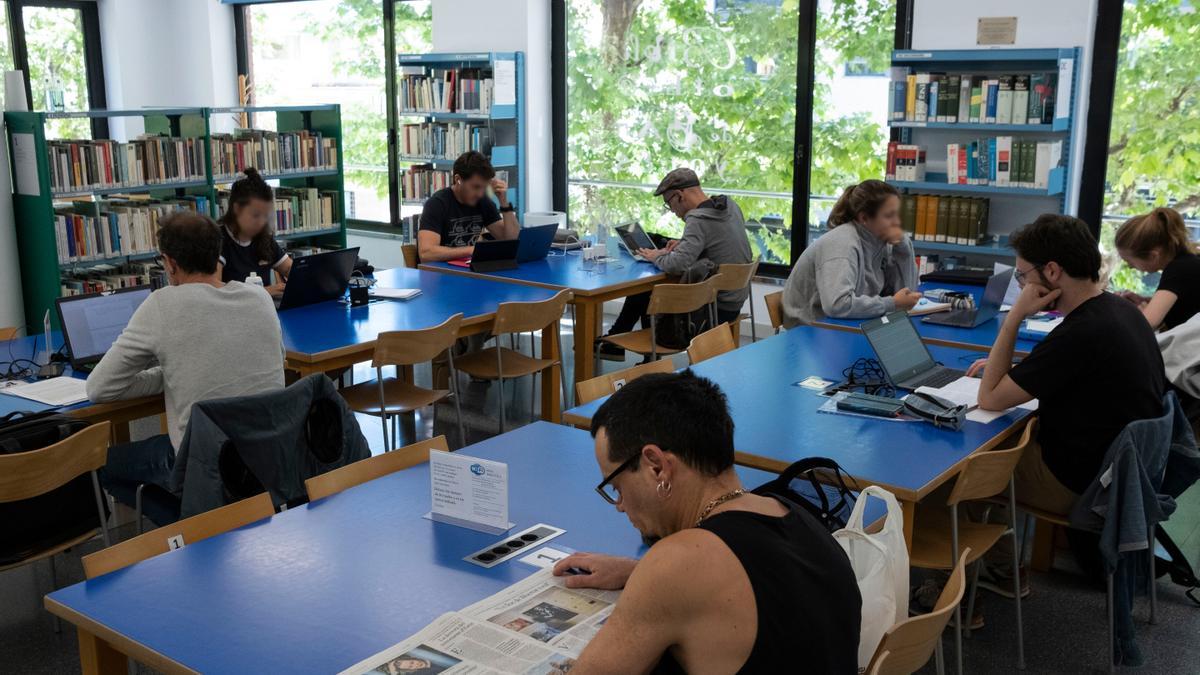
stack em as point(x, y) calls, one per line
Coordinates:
point(863, 268)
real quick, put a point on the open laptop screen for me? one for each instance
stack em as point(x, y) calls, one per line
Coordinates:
point(91, 323)
point(898, 346)
point(634, 237)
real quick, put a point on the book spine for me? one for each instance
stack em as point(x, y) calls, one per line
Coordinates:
point(1004, 99)
point(922, 110)
point(1020, 100)
point(992, 92)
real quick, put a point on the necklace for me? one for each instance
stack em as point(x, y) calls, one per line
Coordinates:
point(728, 496)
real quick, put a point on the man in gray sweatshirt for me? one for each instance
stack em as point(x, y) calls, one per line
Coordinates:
point(714, 233)
point(197, 339)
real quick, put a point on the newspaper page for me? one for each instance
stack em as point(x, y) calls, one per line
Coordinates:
point(534, 627)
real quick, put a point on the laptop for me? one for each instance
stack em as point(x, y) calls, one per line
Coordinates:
point(535, 242)
point(904, 358)
point(318, 277)
point(633, 239)
point(989, 306)
point(91, 323)
point(494, 256)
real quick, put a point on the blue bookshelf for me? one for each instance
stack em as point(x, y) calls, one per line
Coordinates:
point(1015, 205)
point(506, 122)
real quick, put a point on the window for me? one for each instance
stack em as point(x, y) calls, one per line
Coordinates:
point(322, 51)
point(1154, 139)
point(57, 44)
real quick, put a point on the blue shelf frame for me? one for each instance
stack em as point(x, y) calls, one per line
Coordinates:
point(511, 158)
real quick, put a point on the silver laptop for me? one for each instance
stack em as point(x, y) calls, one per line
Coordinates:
point(989, 307)
point(904, 358)
point(633, 239)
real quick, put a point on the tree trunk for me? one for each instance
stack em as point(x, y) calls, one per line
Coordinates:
point(618, 17)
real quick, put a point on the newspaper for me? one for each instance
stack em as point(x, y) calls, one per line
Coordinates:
point(534, 627)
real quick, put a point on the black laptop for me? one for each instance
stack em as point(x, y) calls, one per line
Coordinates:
point(904, 358)
point(494, 256)
point(989, 307)
point(633, 239)
point(91, 323)
point(318, 277)
point(535, 242)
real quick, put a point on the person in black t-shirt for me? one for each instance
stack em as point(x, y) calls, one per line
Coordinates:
point(248, 244)
point(1099, 370)
point(454, 217)
point(1159, 241)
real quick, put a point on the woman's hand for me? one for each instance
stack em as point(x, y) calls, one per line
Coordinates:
point(276, 289)
point(592, 570)
point(1134, 298)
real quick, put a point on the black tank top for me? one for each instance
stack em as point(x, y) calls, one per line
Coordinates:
point(808, 603)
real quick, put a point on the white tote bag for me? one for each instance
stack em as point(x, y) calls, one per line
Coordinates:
point(880, 562)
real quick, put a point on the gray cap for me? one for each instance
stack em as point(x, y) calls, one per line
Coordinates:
point(678, 179)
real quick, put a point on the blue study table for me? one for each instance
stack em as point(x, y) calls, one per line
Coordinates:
point(621, 277)
point(778, 423)
point(981, 338)
point(318, 588)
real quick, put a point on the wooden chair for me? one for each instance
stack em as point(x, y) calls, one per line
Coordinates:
point(735, 277)
point(390, 397)
point(501, 363)
point(940, 537)
point(774, 303)
point(191, 530)
point(7, 334)
point(667, 299)
point(364, 470)
point(603, 385)
point(411, 257)
point(712, 342)
point(906, 646)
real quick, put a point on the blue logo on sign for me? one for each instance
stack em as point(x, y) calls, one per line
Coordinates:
point(477, 469)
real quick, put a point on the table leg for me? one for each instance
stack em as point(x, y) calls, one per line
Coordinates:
point(910, 514)
point(1041, 559)
point(587, 326)
point(552, 378)
point(97, 656)
point(120, 432)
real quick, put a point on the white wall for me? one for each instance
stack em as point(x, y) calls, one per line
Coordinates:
point(951, 24)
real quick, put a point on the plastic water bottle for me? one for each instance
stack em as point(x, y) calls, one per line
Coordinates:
point(254, 280)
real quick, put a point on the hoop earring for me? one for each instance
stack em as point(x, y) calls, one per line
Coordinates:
point(663, 489)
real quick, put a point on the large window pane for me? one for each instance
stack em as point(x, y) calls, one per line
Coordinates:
point(57, 74)
point(656, 84)
point(1154, 141)
point(322, 51)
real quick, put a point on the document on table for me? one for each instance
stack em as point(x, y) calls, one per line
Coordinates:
point(965, 391)
point(395, 293)
point(927, 306)
point(56, 391)
point(534, 627)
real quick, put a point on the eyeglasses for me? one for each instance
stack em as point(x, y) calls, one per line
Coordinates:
point(668, 200)
point(1020, 276)
point(609, 491)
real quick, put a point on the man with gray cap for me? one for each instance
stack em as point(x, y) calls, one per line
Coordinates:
point(714, 233)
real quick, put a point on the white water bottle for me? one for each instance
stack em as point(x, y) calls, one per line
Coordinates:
point(254, 280)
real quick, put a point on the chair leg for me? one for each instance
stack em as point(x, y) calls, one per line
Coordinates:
point(939, 657)
point(137, 506)
point(54, 587)
point(1016, 563)
point(1153, 587)
point(383, 416)
point(957, 608)
point(562, 372)
point(387, 436)
point(500, 384)
point(453, 377)
point(974, 586)
point(1109, 602)
point(753, 328)
point(104, 521)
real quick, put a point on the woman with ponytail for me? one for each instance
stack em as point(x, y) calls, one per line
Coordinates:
point(862, 269)
point(248, 244)
point(1158, 241)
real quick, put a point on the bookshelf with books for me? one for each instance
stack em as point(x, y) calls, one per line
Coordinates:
point(988, 126)
point(87, 210)
point(450, 103)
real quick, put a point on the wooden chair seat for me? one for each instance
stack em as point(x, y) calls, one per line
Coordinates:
point(931, 540)
point(53, 549)
point(400, 396)
point(638, 342)
point(482, 364)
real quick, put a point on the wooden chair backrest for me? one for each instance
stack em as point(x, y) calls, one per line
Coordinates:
point(735, 277)
point(363, 470)
point(7, 333)
point(597, 387)
point(525, 317)
point(194, 529)
point(411, 258)
point(986, 474)
point(907, 646)
point(410, 347)
point(683, 298)
point(710, 343)
point(774, 303)
point(24, 475)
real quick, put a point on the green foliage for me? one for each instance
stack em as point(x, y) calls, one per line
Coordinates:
point(54, 40)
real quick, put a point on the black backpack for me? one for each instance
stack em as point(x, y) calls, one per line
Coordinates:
point(30, 525)
point(817, 485)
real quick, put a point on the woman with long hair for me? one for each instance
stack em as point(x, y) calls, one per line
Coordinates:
point(1158, 241)
point(248, 243)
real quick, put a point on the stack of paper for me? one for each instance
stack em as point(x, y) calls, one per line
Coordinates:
point(927, 306)
point(965, 391)
point(395, 293)
point(56, 391)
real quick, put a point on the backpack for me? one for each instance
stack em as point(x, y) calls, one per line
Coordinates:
point(67, 512)
point(829, 501)
point(677, 330)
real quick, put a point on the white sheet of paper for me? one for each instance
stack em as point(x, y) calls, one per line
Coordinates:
point(1014, 287)
point(965, 391)
point(544, 557)
point(1066, 76)
point(24, 153)
point(505, 74)
point(55, 391)
point(395, 293)
point(468, 490)
point(1043, 327)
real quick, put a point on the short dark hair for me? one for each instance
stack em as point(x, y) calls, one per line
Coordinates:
point(192, 240)
point(681, 413)
point(471, 164)
point(1065, 240)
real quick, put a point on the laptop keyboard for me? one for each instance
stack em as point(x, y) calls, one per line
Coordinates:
point(940, 378)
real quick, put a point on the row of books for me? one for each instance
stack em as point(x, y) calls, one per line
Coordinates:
point(420, 181)
point(78, 165)
point(298, 210)
point(113, 277)
point(467, 90)
point(939, 218)
point(1003, 161)
point(1026, 98)
point(86, 231)
point(905, 162)
point(271, 152)
point(444, 140)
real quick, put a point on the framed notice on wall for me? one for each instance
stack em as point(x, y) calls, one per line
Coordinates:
point(996, 30)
